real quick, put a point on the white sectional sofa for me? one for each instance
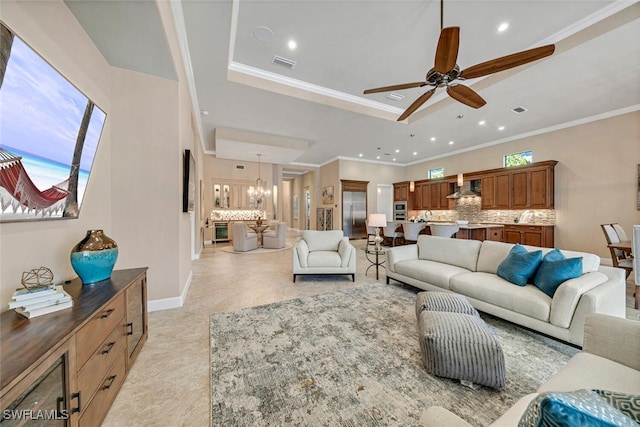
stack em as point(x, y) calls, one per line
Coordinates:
point(609, 361)
point(468, 267)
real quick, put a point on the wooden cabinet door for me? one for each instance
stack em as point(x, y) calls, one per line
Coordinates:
point(417, 197)
point(502, 191)
point(488, 200)
point(494, 234)
point(136, 296)
point(445, 190)
point(512, 234)
point(425, 196)
point(532, 236)
point(520, 189)
point(400, 192)
point(541, 188)
point(434, 199)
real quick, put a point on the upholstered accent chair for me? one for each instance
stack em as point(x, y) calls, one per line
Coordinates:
point(277, 238)
point(324, 252)
point(243, 241)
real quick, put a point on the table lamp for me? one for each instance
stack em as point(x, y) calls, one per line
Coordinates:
point(377, 220)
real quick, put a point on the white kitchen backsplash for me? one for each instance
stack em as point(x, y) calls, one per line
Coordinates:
point(468, 208)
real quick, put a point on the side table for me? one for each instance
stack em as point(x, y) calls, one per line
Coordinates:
point(377, 263)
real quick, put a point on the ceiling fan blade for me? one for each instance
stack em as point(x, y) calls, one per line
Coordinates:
point(416, 104)
point(466, 95)
point(395, 87)
point(447, 51)
point(506, 62)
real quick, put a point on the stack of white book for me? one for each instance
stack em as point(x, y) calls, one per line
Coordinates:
point(34, 303)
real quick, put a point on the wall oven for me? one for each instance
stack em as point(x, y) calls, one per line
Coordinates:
point(221, 231)
point(399, 211)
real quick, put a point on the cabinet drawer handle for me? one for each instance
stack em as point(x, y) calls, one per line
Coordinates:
point(79, 407)
point(108, 347)
point(108, 313)
point(130, 328)
point(59, 408)
point(110, 381)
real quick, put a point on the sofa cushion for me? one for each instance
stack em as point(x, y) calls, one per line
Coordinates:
point(554, 269)
point(322, 240)
point(527, 300)
point(577, 408)
point(520, 265)
point(324, 259)
point(432, 272)
point(459, 252)
point(491, 255)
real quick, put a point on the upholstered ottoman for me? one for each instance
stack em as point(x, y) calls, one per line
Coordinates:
point(459, 345)
point(443, 301)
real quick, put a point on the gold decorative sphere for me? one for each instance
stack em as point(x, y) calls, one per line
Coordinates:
point(37, 278)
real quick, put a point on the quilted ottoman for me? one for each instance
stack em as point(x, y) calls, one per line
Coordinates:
point(458, 344)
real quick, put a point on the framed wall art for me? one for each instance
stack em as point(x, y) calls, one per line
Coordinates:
point(327, 195)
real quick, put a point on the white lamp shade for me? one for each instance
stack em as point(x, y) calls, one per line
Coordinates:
point(377, 220)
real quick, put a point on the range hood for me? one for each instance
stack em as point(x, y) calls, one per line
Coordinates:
point(464, 191)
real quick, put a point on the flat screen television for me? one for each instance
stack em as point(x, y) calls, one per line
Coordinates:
point(49, 135)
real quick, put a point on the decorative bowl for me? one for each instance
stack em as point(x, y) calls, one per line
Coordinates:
point(461, 222)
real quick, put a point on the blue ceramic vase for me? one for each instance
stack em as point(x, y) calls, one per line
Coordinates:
point(94, 256)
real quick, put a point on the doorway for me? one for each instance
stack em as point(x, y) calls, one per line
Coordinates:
point(307, 208)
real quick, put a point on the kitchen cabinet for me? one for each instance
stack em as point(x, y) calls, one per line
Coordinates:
point(429, 195)
point(522, 187)
point(78, 357)
point(401, 192)
point(422, 195)
point(526, 234)
point(481, 233)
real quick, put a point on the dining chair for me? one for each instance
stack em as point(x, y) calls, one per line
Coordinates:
point(412, 230)
point(621, 235)
point(444, 230)
point(635, 248)
point(389, 232)
point(618, 256)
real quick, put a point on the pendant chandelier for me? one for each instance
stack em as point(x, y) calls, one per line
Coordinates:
point(260, 191)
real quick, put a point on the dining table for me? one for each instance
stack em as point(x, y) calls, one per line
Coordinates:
point(259, 229)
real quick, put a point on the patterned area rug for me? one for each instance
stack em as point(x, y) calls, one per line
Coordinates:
point(352, 358)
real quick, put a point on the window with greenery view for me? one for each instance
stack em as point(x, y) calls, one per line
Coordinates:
point(518, 159)
point(436, 173)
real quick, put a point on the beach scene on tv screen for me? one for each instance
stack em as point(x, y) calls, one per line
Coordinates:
point(49, 135)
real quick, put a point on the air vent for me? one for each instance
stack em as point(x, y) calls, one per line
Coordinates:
point(241, 167)
point(279, 60)
point(394, 96)
point(519, 110)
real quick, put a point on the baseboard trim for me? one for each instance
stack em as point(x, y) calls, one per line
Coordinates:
point(170, 303)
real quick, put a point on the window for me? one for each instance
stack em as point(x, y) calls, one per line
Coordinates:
point(518, 159)
point(436, 173)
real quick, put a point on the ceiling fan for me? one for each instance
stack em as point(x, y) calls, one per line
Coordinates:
point(446, 71)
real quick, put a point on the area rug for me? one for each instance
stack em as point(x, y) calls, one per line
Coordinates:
point(352, 358)
point(230, 250)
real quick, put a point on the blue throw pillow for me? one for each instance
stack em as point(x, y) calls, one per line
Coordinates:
point(520, 265)
point(554, 269)
point(584, 408)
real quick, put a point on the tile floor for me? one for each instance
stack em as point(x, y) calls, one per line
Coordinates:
point(169, 383)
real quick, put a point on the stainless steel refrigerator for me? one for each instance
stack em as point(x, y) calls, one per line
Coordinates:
point(354, 214)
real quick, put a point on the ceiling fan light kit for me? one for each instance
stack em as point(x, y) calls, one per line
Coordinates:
point(446, 72)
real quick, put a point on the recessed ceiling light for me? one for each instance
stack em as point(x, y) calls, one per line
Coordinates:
point(263, 34)
point(433, 138)
point(292, 44)
point(360, 155)
point(501, 128)
point(450, 142)
point(481, 122)
point(378, 157)
point(397, 151)
point(460, 116)
point(394, 160)
point(503, 27)
point(205, 112)
point(415, 153)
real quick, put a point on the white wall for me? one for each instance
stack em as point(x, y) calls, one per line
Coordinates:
point(134, 192)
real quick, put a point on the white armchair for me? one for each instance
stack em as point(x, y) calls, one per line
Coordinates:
point(324, 252)
point(243, 241)
point(276, 239)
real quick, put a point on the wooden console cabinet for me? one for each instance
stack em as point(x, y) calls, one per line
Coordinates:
point(71, 364)
point(533, 235)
